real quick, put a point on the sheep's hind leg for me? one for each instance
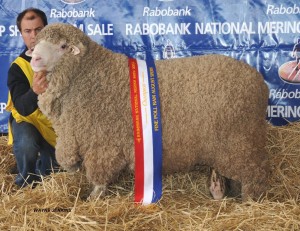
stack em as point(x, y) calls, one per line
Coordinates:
point(217, 184)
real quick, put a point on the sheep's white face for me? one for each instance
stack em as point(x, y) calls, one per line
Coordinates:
point(46, 55)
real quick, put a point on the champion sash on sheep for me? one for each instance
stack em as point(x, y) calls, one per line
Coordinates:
point(147, 131)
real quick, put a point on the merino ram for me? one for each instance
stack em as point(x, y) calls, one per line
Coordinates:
point(213, 112)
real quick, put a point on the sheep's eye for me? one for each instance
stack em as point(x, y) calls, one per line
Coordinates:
point(64, 46)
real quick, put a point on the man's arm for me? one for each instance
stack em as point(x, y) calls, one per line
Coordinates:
point(23, 97)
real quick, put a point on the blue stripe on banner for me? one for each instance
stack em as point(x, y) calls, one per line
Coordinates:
point(156, 128)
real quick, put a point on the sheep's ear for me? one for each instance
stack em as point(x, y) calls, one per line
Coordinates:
point(29, 53)
point(75, 50)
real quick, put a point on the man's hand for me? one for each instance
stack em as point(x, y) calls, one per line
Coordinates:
point(40, 83)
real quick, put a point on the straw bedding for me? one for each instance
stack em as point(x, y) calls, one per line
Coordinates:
point(60, 201)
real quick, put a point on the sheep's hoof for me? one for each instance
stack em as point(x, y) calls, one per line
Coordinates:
point(73, 168)
point(99, 191)
point(217, 185)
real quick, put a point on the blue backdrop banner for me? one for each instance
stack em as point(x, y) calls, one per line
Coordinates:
point(263, 33)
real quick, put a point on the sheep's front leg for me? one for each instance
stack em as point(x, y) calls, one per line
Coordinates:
point(99, 191)
point(103, 167)
point(67, 153)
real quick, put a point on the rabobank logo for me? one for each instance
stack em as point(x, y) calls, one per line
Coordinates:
point(73, 13)
point(72, 2)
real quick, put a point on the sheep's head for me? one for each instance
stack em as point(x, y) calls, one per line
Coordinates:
point(54, 42)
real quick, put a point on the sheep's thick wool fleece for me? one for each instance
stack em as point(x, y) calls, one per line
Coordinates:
point(213, 112)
